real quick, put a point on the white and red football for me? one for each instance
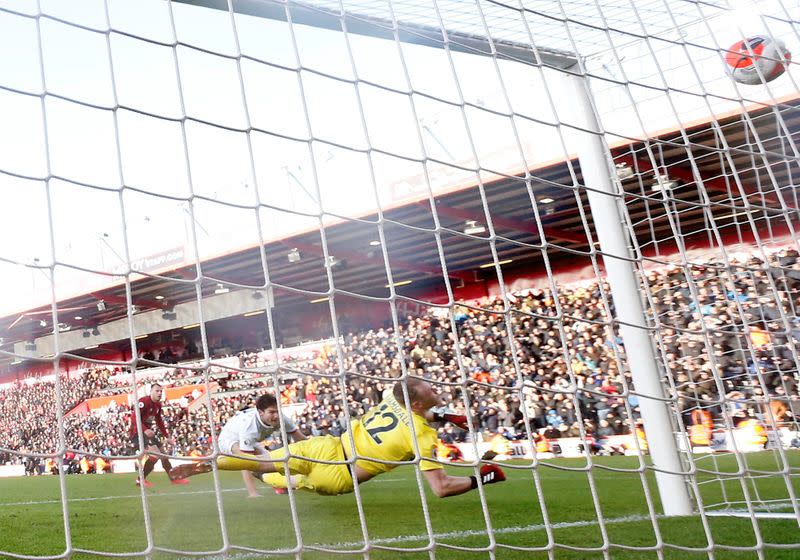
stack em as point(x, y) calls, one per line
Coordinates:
point(747, 58)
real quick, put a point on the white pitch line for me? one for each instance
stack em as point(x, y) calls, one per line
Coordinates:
point(149, 495)
point(436, 536)
point(499, 531)
point(154, 494)
point(355, 544)
point(129, 496)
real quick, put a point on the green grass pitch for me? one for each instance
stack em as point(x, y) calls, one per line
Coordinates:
point(106, 514)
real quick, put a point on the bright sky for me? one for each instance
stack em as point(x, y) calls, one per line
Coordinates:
point(148, 153)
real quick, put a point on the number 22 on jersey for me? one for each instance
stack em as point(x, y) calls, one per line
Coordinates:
point(379, 421)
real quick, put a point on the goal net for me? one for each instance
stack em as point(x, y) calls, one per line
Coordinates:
point(577, 220)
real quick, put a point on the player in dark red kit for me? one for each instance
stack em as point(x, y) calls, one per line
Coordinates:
point(151, 412)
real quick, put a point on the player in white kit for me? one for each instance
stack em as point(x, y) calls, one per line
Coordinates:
point(244, 432)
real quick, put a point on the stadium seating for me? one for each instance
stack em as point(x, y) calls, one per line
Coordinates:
point(577, 352)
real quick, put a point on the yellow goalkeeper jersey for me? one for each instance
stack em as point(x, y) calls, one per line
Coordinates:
point(384, 433)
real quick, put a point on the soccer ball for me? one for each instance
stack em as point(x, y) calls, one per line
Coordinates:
point(768, 55)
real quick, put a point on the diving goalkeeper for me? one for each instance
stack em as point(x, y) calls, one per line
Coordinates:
point(383, 434)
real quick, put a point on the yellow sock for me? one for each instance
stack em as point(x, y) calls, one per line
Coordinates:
point(276, 480)
point(301, 482)
point(237, 464)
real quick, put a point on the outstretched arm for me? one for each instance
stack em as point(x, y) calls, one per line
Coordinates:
point(444, 485)
point(440, 415)
point(250, 484)
point(248, 477)
point(297, 435)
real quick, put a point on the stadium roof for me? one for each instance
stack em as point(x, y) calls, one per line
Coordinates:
point(410, 228)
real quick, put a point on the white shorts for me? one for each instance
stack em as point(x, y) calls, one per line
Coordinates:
point(226, 446)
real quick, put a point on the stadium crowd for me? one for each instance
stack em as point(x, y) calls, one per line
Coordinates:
point(562, 373)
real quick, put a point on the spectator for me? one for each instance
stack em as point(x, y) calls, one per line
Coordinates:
point(551, 358)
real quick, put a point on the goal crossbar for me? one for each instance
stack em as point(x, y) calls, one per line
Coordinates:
point(412, 33)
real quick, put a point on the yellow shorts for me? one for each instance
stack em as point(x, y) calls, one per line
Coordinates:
point(322, 478)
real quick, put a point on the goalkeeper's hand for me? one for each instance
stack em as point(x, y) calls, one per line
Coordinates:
point(489, 474)
point(459, 420)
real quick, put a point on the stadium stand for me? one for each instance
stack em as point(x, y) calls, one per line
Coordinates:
point(27, 407)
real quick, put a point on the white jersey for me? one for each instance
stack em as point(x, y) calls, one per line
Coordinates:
point(247, 429)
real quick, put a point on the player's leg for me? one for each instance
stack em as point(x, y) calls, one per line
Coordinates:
point(150, 446)
point(281, 483)
point(143, 462)
point(276, 480)
point(272, 470)
point(224, 462)
point(166, 465)
point(165, 462)
point(322, 478)
point(190, 469)
point(147, 468)
point(248, 477)
point(154, 446)
point(250, 484)
point(149, 465)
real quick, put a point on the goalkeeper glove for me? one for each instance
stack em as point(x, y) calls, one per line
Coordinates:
point(459, 420)
point(489, 474)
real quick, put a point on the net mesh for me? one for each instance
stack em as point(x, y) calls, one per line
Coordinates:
point(384, 189)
